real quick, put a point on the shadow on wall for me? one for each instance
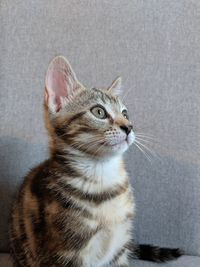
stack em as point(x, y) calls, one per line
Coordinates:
point(17, 157)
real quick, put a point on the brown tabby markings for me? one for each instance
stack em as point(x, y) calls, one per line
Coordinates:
point(96, 198)
point(76, 208)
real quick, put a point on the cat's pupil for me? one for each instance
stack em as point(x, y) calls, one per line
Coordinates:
point(125, 114)
point(99, 112)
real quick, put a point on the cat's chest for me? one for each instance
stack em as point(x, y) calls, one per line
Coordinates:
point(115, 210)
point(114, 221)
point(108, 189)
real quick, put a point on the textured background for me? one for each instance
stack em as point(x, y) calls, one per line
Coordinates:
point(155, 47)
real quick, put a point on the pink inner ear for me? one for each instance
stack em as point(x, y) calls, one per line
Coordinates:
point(57, 84)
point(60, 82)
point(56, 87)
point(51, 98)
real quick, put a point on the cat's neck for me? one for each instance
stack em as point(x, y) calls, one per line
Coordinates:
point(100, 168)
point(103, 173)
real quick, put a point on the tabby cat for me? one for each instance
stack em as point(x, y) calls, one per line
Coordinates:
point(76, 209)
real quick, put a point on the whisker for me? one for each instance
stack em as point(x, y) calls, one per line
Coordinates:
point(147, 148)
point(151, 142)
point(152, 152)
point(148, 151)
point(147, 138)
point(144, 129)
point(155, 142)
point(143, 152)
point(99, 149)
point(87, 146)
point(141, 139)
point(146, 135)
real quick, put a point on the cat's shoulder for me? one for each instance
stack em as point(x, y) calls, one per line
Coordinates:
point(37, 178)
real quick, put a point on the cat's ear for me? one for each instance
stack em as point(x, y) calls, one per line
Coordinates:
point(115, 87)
point(61, 84)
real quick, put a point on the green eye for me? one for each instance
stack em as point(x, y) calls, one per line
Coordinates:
point(125, 114)
point(99, 112)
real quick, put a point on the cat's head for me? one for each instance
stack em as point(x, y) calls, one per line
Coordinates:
point(93, 122)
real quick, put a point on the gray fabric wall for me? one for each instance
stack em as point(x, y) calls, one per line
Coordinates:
point(155, 46)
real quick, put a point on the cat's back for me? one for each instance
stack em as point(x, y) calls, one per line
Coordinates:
point(34, 186)
point(27, 218)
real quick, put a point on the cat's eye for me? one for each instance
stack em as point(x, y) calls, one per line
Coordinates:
point(99, 112)
point(125, 114)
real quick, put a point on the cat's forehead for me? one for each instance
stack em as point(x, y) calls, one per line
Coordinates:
point(100, 96)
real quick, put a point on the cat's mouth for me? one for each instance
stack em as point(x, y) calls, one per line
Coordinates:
point(119, 143)
point(128, 140)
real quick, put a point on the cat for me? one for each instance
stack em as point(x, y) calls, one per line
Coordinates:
point(76, 209)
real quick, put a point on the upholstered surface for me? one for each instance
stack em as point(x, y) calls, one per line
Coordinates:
point(185, 261)
point(154, 46)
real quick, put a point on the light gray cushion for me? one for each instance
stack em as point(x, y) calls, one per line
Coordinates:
point(155, 46)
point(185, 261)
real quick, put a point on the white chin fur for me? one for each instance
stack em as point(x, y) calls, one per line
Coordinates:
point(131, 138)
point(121, 147)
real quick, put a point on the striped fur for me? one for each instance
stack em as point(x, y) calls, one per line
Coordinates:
point(76, 209)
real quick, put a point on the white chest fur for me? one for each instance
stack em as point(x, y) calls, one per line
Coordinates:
point(101, 175)
point(116, 231)
point(106, 244)
point(110, 216)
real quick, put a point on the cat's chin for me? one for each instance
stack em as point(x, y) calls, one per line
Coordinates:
point(121, 146)
point(116, 149)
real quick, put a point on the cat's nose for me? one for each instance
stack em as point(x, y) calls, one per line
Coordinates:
point(126, 128)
